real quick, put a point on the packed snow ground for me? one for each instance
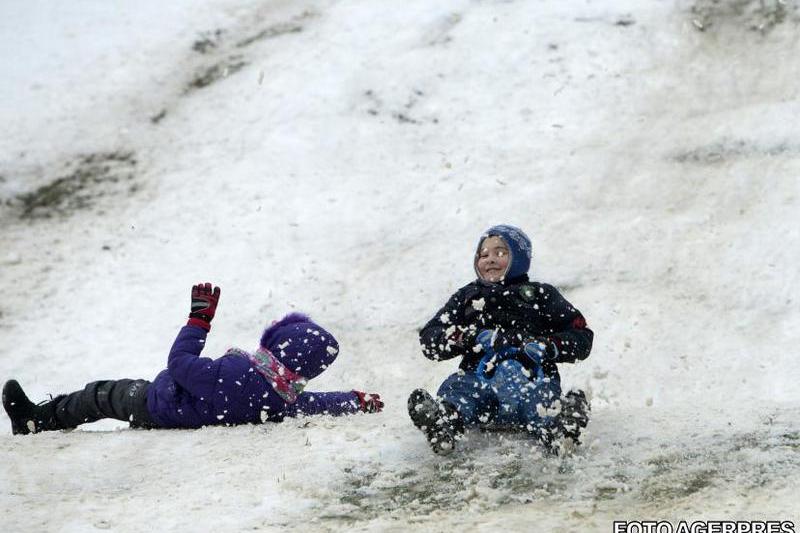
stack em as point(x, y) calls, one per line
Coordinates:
point(341, 158)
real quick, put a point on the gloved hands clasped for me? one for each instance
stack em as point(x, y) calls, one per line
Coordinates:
point(205, 298)
point(497, 348)
point(491, 341)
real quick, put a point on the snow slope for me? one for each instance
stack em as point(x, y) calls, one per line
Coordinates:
point(342, 158)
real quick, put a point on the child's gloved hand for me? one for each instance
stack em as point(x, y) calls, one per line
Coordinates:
point(493, 341)
point(455, 337)
point(369, 403)
point(485, 340)
point(492, 359)
point(205, 298)
point(540, 351)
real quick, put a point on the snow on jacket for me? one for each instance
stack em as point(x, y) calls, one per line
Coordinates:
point(196, 391)
point(522, 310)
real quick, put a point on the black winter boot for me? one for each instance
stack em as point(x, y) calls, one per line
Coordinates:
point(574, 416)
point(545, 438)
point(439, 421)
point(26, 417)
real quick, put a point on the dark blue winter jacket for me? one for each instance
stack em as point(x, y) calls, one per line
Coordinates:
point(198, 391)
point(520, 310)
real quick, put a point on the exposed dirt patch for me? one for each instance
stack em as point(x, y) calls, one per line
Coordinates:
point(87, 179)
point(625, 21)
point(440, 33)
point(207, 41)
point(218, 71)
point(488, 473)
point(732, 149)
point(225, 56)
point(404, 113)
point(476, 478)
point(755, 15)
point(270, 33)
point(158, 117)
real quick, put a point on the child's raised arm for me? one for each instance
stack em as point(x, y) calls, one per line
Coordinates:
point(187, 368)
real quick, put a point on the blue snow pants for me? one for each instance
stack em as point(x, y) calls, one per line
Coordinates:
point(508, 399)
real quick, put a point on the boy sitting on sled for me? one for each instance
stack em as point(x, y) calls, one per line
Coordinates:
point(510, 333)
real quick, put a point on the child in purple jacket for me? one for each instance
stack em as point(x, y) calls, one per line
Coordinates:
point(240, 387)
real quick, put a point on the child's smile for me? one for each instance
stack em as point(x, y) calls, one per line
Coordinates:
point(493, 258)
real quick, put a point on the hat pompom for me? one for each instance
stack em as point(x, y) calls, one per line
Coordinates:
point(269, 336)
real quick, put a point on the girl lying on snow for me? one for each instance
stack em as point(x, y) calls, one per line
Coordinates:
point(510, 333)
point(238, 388)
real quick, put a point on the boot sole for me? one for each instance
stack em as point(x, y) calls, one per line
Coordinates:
point(423, 410)
point(13, 398)
point(575, 415)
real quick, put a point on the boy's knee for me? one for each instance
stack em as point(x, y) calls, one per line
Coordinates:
point(511, 371)
point(460, 380)
point(474, 410)
point(510, 366)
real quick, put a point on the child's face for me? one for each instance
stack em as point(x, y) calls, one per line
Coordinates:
point(493, 259)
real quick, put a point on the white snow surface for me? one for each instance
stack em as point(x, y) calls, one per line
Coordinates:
point(345, 166)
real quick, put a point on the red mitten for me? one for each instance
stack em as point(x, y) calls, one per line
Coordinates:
point(369, 403)
point(205, 298)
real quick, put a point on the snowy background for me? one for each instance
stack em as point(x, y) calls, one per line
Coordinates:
point(341, 158)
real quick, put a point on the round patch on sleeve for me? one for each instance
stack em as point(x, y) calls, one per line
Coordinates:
point(528, 292)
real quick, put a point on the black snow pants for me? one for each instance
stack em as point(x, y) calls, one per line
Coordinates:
point(124, 399)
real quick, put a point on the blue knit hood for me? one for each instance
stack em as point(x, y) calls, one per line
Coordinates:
point(519, 245)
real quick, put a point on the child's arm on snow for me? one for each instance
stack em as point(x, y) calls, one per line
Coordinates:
point(332, 403)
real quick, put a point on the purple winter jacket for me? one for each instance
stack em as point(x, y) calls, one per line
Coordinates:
point(198, 391)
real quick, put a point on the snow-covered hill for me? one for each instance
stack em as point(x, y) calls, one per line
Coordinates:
point(342, 158)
